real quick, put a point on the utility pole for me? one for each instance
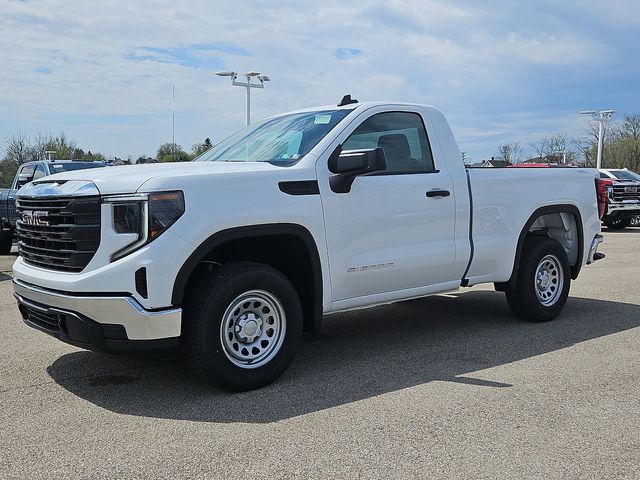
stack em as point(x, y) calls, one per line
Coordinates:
point(173, 119)
point(600, 117)
point(464, 157)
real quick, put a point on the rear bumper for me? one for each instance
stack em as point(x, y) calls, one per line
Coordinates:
point(593, 251)
point(96, 322)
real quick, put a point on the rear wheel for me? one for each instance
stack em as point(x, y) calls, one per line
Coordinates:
point(617, 223)
point(6, 242)
point(543, 281)
point(242, 326)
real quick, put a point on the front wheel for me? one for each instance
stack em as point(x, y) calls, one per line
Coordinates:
point(543, 281)
point(242, 325)
point(618, 223)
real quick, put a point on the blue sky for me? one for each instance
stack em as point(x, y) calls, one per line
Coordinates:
point(500, 70)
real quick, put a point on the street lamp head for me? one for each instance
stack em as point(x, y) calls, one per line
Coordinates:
point(588, 112)
point(228, 73)
point(264, 78)
point(607, 113)
point(252, 74)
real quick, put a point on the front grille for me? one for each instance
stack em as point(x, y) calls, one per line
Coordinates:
point(58, 233)
point(626, 192)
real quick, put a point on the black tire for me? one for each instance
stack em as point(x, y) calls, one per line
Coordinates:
point(617, 223)
point(6, 242)
point(523, 297)
point(210, 356)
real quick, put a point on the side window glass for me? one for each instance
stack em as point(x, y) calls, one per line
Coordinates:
point(403, 138)
point(27, 170)
point(39, 173)
point(24, 170)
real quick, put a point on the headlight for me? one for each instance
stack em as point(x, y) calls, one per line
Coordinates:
point(127, 217)
point(146, 215)
point(164, 209)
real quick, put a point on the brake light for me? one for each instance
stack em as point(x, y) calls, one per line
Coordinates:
point(604, 189)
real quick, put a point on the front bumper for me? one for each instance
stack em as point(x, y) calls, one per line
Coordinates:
point(623, 209)
point(105, 323)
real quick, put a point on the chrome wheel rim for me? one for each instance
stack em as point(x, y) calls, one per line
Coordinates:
point(252, 329)
point(549, 280)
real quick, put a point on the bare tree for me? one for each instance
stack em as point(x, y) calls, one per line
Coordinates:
point(556, 148)
point(39, 145)
point(561, 147)
point(540, 147)
point(18, 148)
point(510, 152)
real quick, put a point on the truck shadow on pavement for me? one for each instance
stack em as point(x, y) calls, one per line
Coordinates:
point(361, 355)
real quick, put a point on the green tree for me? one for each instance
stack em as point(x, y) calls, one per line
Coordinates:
point(200, 148)
point(631, 141)
point(620, 146)
point(8, 170)
point(65, 148)
point(20, 149)
point(95, 157)
point(171, 152)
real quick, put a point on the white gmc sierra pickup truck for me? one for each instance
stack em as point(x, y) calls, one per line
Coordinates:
point(322, 210)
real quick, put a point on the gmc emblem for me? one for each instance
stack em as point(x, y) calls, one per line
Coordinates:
point(35, 217)
point(630, 189)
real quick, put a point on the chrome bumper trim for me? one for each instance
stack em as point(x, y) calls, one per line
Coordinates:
point(593, 251)
point(623, 206)
point(139, 323)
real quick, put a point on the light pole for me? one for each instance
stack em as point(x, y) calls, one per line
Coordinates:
point(248, 85)
point(600, 117)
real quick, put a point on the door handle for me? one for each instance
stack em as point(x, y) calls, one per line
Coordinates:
point(438, 193)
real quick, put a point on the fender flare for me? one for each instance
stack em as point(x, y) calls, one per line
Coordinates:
point(236, 233)
point(561, 208)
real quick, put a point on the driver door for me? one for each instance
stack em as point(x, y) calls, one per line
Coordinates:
point(388, 233)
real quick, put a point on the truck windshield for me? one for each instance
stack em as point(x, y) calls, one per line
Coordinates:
point(282, 140)
point(625, 175)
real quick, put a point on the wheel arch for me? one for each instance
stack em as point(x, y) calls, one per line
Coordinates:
point(313, 308)
point(526, 230)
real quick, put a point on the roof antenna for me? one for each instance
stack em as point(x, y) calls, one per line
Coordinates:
point(347, 100)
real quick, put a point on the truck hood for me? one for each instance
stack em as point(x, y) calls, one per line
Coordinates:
point(129, 178)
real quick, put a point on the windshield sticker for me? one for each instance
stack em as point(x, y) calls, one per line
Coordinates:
point(322, 119)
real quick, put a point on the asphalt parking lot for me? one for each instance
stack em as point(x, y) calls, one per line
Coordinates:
point(444, 387)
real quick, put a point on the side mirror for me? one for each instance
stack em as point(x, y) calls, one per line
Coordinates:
point(23, 179)
point(348, 164)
